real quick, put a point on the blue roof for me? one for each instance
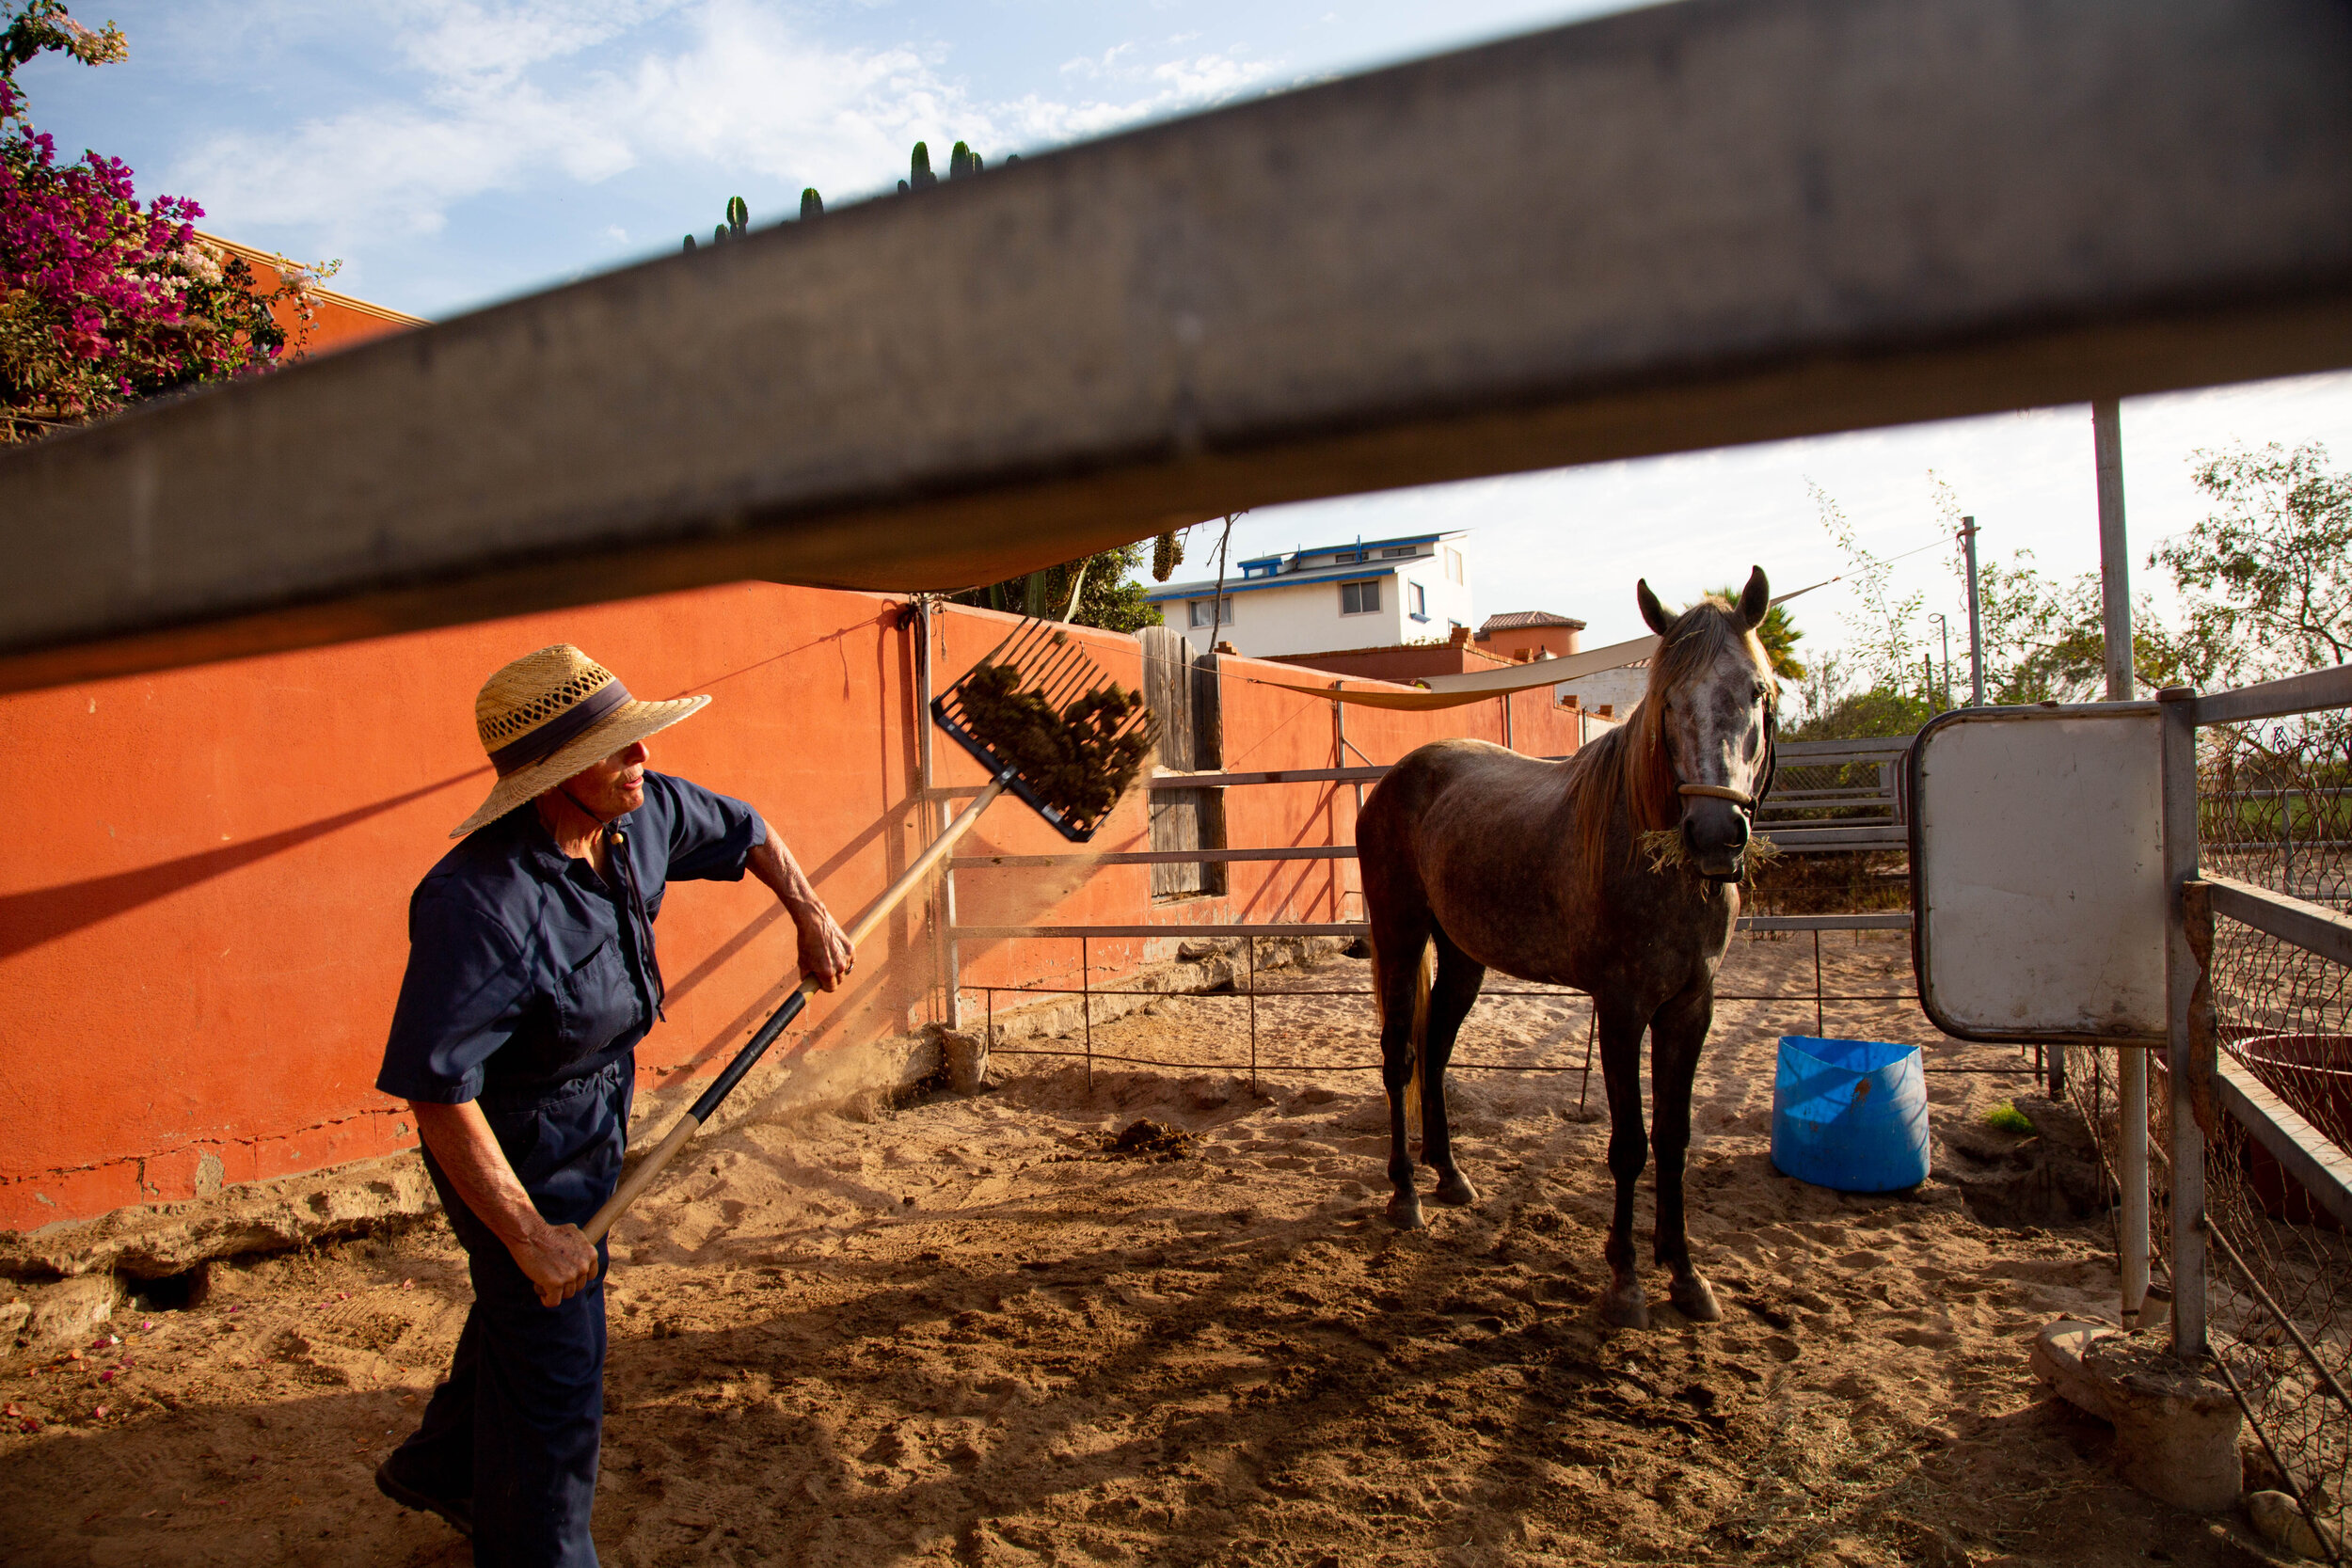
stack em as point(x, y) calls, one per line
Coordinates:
point(1356, 545)
point(1207, 586)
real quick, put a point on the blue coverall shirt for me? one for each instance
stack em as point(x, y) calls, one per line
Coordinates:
point(525, 968)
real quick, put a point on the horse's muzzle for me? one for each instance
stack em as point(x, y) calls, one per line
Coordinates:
point(1716, 832)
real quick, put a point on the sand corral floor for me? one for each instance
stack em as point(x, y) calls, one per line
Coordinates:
point(969, 1330)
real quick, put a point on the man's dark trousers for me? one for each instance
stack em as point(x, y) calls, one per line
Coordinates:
point(517, 1426)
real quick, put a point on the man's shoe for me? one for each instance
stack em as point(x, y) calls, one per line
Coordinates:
point(457, 1511)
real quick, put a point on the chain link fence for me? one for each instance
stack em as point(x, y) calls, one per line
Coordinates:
point(2275, 811)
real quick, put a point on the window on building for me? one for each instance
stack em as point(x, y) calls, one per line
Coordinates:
point(1347, 558)
point(1400, 552)
point(1417, 600)
point(1360, 598)
point(1204, 612)
point(1453, 564)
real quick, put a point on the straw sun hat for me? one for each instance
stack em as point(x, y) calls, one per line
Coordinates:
point(549, 715)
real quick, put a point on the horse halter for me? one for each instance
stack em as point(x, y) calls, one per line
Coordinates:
point(1745, 802)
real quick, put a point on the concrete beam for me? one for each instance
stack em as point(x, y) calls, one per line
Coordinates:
point(1701, 224)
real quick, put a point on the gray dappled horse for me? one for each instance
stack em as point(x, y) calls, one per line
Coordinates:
point(1540, 870)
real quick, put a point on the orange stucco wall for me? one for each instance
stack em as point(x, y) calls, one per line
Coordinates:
point(337, 320)
point(202, 926)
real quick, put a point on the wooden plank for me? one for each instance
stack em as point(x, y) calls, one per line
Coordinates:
point(2313, 927)
point(2278, 699)
point(1757, 220)
point(2310, 1156)
point(1174, 815)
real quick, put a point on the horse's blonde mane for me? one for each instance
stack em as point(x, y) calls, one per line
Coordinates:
point(1630, 768)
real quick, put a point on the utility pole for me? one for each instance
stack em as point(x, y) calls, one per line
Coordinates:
point(1976, 628)
point(2115, 561)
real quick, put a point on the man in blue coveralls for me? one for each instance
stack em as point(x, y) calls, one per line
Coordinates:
point(531, 977)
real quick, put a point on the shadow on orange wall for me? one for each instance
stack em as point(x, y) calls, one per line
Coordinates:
point(43, 914)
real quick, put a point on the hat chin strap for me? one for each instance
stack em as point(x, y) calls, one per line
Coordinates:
point(600, 821)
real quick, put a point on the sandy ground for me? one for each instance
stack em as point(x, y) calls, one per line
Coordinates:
point(966, 1331)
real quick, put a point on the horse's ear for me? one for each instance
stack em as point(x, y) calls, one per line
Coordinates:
point(1755, 599)
point(1652, 611)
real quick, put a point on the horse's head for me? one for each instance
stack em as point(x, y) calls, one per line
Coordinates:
point(1709, 714)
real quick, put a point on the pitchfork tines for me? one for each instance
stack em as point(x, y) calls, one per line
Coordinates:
point(1039, 713)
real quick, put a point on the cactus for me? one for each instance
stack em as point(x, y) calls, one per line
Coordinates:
point(919, 174)
point(812, 205)
point(739, 218)
point(961, 162)
point(690, 242)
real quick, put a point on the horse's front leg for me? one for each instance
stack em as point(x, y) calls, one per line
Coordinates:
point(1625, 1305)
point(1677, 1033)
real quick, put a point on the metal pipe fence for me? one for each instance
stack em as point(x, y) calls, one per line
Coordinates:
point(1252, 994)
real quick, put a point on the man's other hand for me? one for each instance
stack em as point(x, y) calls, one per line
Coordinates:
point(560, 1262)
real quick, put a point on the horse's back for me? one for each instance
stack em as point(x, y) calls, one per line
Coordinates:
point(1457, 814)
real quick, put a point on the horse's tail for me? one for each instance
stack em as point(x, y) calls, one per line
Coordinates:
point(1423, 971)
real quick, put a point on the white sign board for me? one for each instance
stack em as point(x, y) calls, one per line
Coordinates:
point(2037, 866)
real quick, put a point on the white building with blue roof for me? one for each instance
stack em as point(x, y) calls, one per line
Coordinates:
point(1371, 594)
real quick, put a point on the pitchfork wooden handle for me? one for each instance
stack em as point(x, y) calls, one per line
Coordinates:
point(634, 1184)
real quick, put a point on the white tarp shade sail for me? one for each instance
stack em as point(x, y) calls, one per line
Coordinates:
point(1454, 690)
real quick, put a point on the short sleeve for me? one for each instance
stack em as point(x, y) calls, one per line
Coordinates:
point(465, 989)
point(711, 836)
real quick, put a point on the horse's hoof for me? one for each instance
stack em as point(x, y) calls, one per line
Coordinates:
point(1405, 1211)
point(1454, 1189)
point(1695, 1299)
point(1625, 1307)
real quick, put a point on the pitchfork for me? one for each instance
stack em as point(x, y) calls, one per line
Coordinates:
point(1050, 664)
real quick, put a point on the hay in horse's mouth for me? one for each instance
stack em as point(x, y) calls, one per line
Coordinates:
point(1666, 850)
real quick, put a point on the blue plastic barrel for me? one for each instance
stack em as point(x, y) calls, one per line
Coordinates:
point(1850, 1115)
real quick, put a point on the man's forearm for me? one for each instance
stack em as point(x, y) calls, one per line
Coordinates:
point(824, 949)
point(460, 1138)
point(772, 863)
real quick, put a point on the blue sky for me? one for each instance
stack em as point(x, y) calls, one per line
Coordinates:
point(456, 151)
point(452, 152)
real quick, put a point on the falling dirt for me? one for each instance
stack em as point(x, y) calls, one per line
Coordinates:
point(1158, 1318)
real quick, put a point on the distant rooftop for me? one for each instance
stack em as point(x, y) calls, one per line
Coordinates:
point(1357, 558)
point(1515, 619)
point(1352, 545)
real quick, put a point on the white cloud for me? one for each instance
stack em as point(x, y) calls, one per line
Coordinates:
point(532, 92)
